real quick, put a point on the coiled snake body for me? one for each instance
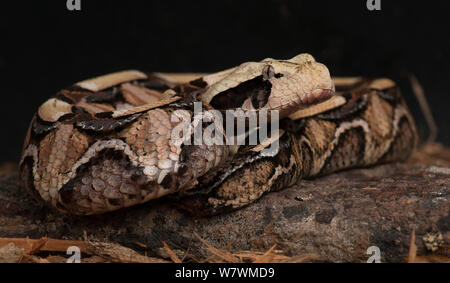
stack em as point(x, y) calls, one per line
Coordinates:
point(108, 142)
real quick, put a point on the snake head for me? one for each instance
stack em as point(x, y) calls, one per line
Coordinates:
point(283, 85)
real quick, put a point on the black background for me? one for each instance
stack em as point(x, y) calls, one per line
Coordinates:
point(45, 47)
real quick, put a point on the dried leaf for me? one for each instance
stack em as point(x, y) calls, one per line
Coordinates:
point(171, 253)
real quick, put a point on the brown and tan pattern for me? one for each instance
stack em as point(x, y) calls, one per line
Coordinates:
point(106, 143)
point(382, 130)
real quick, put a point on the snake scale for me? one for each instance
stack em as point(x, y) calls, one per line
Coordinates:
point(107, 143)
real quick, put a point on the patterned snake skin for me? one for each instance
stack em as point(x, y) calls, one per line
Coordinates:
point(107, 143)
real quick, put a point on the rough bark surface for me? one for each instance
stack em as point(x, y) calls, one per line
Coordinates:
point(336, 217)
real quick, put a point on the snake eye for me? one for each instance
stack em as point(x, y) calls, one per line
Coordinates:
point(268, 72)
